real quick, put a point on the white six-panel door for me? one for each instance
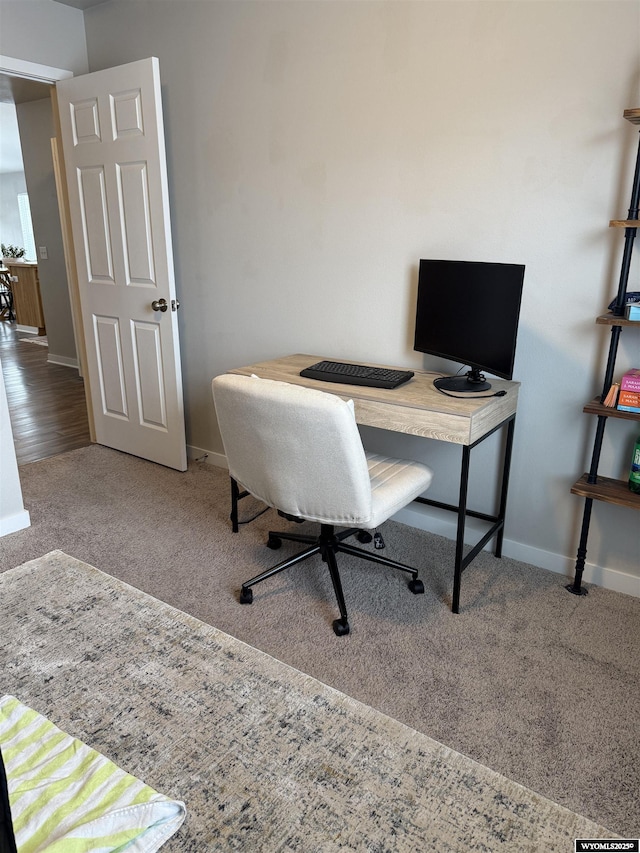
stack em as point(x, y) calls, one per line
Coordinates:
point(114, 154)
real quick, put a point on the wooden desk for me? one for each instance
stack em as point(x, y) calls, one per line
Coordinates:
point(417, 408)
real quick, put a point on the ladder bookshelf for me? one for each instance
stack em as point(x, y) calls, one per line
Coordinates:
point(592, 486)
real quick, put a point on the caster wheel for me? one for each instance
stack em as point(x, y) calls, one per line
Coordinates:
point(340, 627)
point(274, 542)
point(416, 586)
point(246, 595)
point(364, 536)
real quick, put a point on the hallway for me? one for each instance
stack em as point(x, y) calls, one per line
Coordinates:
point(46, 401)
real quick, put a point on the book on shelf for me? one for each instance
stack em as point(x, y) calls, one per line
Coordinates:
point(631, 380)
point(629, 401)
point(631, 297)
point(612, 396)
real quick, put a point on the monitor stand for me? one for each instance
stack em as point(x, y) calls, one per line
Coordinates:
point(470, 383)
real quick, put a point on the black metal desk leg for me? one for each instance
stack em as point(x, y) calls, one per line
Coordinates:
point(235, 494)
point(505, 485)
point(462, 514)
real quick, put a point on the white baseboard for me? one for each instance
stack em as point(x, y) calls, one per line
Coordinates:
point(433, 521)
point(441, 523)
point(13, 523)
point(63, 360)
point(52, 358)
point(198, 454)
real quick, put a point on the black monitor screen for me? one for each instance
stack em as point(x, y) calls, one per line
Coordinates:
point(468, 312)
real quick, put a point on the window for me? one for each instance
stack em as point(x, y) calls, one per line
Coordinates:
point(28, 239)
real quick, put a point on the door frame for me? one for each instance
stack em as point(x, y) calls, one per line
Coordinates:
point(32, 70)
point(13, 67)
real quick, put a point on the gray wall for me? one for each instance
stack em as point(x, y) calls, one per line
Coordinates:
point(317, 150)
point(44, 32)
point(36, 130)
point(48, 34)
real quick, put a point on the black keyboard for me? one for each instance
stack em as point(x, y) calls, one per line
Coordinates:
point(357, 374)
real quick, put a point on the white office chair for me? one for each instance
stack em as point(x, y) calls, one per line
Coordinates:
point(299, 450)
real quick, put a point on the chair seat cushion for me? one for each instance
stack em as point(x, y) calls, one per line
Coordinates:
point(394, 484)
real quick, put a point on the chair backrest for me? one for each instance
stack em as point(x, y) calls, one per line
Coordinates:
point(295, 448)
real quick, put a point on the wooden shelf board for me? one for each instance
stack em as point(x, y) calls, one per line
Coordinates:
point(613, 320)
point(607, 490)
point(624, 223)
point(632, 115)
point(595, 407)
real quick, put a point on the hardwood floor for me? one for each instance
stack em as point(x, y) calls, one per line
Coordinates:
point(46, 401)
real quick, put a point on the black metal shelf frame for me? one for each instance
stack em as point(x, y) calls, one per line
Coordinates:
point(618, 310)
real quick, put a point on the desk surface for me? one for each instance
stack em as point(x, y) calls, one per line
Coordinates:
point(416, 407)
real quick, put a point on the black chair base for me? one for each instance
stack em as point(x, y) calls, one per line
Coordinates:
point(328, 544)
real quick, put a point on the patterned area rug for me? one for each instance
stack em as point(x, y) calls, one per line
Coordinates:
point(265, 757)
point(41, 340)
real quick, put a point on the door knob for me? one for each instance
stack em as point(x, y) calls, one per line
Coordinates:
point(159, 305)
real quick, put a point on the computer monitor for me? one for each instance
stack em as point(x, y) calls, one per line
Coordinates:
point(468, 312)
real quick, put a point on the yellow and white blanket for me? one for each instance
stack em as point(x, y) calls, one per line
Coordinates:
point(67, 798)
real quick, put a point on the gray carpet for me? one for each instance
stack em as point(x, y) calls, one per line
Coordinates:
point(265, 758)
point(537, 684)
